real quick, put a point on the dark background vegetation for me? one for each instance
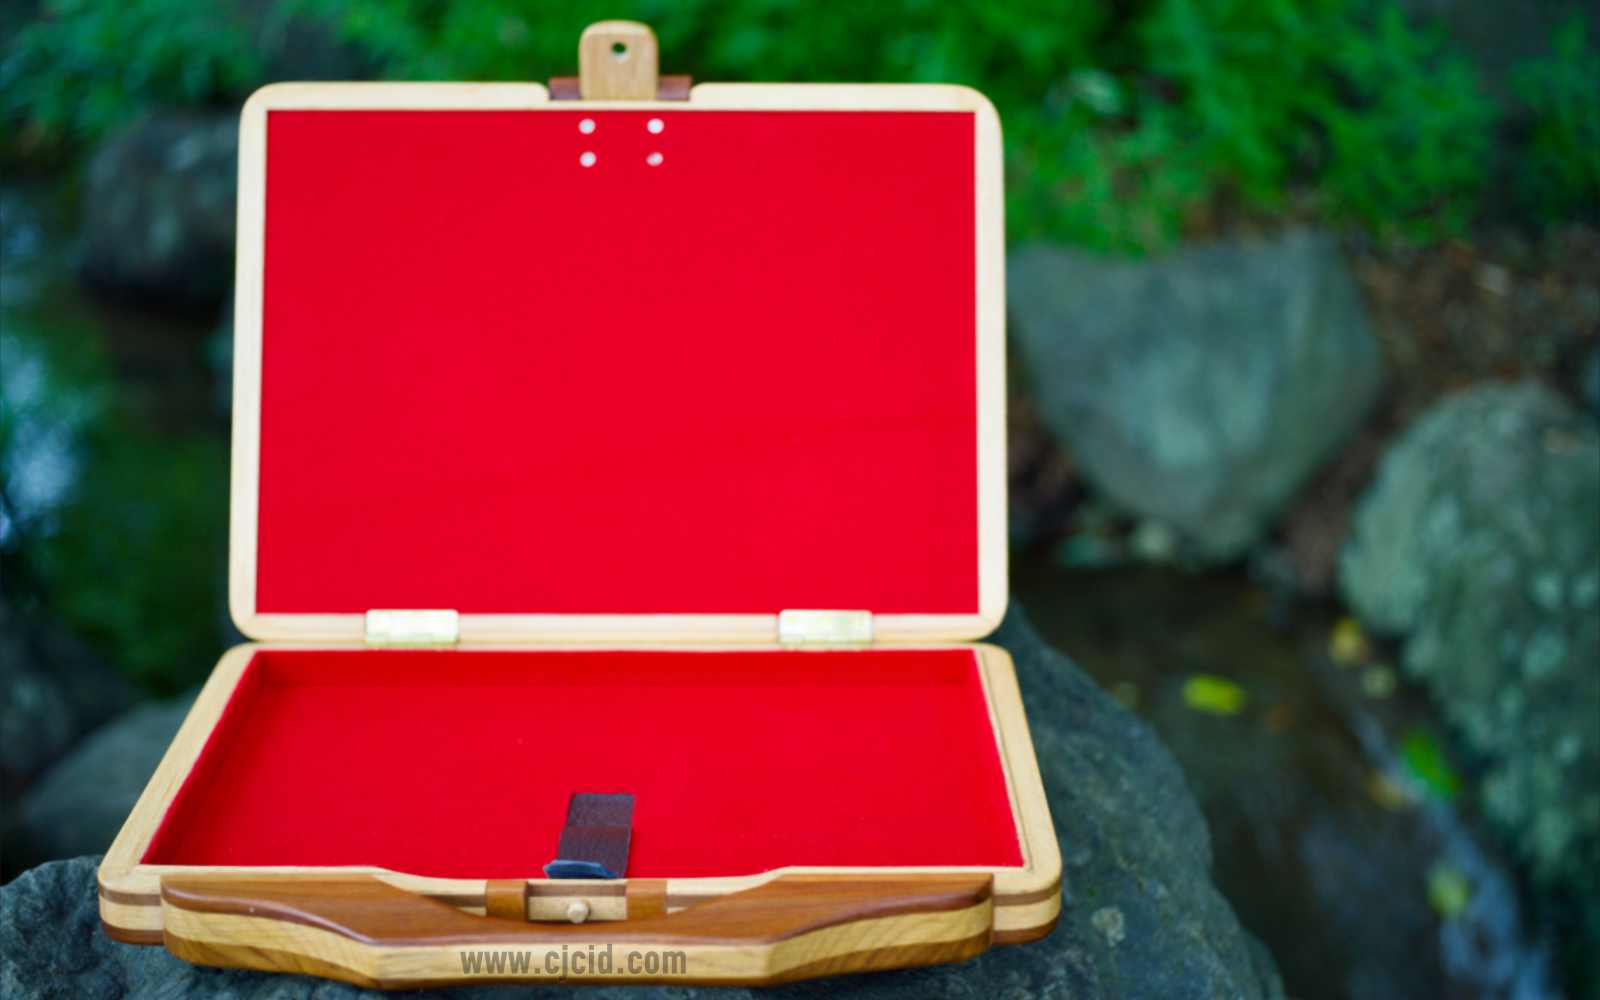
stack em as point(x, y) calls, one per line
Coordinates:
point(1451, 148)
point(1129, 127)
point(1129, 124)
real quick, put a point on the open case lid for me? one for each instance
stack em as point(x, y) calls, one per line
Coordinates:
point(619, 370)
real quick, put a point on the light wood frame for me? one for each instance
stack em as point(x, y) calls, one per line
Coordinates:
point(1025, 900)
point(480, 628)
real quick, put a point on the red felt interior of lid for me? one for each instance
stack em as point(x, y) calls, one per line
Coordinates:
point(739, 381)
point(461, 763)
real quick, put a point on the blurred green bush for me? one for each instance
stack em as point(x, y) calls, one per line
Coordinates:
point(1127, 124)
point(119, 528)
point(1563, 93)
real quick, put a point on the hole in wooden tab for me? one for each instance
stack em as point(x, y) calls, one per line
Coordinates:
point(619, 50)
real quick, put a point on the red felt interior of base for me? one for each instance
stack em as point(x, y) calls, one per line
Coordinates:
point(461, 763)
point(498, 381)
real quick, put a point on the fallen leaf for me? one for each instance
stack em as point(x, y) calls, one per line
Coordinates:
point(1348, 643)
point(1449, 892)
point(1387, 792)
point(1214, 695)
point(1426, 764)
point(1378, 681)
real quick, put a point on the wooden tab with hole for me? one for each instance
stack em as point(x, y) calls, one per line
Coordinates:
point(618, 61)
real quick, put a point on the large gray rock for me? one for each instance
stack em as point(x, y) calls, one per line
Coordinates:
point(78, 805)
point(1480, 542)
point(1200, 389)
point(1589, 380)
point(1143, 919)
point(159, 210)
point(53, 690)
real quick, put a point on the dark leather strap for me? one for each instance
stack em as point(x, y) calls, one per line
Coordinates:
point(594, 843)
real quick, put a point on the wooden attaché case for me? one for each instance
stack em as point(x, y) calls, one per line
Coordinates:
point(612, 439)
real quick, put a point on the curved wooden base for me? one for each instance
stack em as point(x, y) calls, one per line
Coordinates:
point(363, 931)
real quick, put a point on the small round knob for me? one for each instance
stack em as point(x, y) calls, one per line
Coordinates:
point(578, 911)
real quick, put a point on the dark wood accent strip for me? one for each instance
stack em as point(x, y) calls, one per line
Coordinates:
point(1023, 935)
point(668, 88)
point(1028, 898)
point(506, 899)
point(593, 890)
point(647, 897)
point(129, 898)
point(130, 935)
point(375, 913)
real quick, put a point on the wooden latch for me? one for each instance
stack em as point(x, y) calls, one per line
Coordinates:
point(619, 61)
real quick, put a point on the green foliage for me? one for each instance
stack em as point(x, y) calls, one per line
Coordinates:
point(1408, 149)
point(1391, 125)
point(1562, 92)
point(1242, 69)
point(123, 530)
point(86, 64)
point(1427, 765)
point(1127, 124)
point(146, 592)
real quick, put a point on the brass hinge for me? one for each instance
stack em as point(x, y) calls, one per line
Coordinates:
point(434, 627)
point(824, 627)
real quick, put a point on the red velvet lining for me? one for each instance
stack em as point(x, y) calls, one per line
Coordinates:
point(460, 763)
point(498, 381)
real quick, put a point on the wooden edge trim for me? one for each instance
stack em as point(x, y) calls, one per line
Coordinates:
point(150, 809)
point(639, 892)
point(644, 895)
point(1041, 850)
point(460, 900)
